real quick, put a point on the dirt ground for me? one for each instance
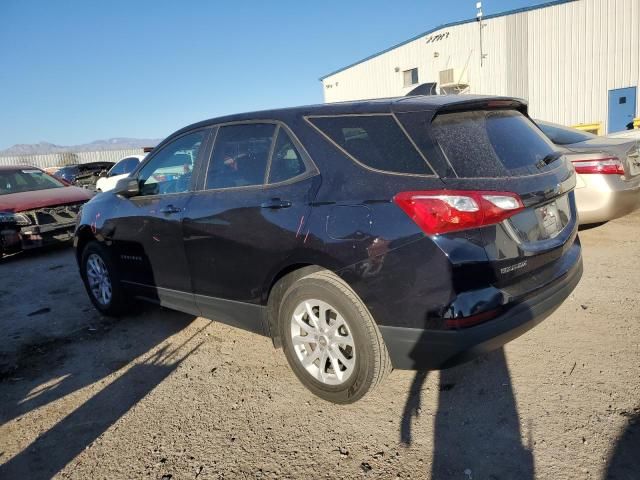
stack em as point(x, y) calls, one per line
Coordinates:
point(160, 394)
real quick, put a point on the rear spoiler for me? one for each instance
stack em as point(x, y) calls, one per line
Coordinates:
point(424, 89)
point(497, 103)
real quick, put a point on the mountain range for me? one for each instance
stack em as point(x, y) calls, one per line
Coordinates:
point(119, 143)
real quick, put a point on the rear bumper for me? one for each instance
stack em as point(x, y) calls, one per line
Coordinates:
point(420, 349)
point(601, 198)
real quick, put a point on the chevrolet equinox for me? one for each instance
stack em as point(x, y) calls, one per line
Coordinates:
point(408, 233)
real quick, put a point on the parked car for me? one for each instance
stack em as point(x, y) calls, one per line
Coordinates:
point(120, 170)
point(83, 174)
point(411, 233)
point(608, 184)
point(36, 208)
point(633, 134)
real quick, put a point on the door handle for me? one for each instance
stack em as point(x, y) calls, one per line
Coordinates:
point(276, 203)
point(170, 209)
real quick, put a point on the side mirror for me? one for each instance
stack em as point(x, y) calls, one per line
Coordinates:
point(127, 187)
point(103, 174)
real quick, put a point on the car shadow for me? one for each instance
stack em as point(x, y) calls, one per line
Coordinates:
point(59, 445)
point(49, 370)
point(35, 253)
point(624, 463)
point(477, 432)
point(590, 226)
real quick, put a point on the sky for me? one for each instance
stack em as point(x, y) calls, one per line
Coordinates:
point(74, 71)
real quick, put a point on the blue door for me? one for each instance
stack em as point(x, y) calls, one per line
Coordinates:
point(622, 108)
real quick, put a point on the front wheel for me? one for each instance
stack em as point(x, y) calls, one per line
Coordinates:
point(101, 280)
point(330, 339)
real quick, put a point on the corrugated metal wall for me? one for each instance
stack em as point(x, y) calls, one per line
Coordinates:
point(563, 58)
point(60, 159)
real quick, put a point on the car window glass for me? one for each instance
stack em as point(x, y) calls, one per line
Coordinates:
point(563, 135)
point(240, 155)
point(126, 165)
point(170, 170)
point(492, 143)
point(26, 180)
point(374, 140)
point(286, 161)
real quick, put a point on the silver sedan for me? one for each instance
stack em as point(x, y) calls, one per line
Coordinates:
point(608, 184)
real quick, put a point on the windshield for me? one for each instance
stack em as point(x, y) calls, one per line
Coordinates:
point(563, 135)
point(26, 180)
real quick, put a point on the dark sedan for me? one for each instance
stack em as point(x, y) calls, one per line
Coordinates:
point(84, 174)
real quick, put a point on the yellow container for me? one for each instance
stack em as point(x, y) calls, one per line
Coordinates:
point(595, 128)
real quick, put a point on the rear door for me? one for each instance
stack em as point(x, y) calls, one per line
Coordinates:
point(247, 219)
point(500, 150)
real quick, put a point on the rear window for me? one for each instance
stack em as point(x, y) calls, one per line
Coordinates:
point(564, 135)
point(492, 143)
point(376, 141)
point(286, 161)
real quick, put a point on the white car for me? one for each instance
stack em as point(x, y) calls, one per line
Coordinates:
point(633, 134)
point(122, 169)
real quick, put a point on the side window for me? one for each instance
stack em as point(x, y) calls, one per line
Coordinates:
point(170, 170)
point(374, 140)
point(240, 155)
point(286, 162)
point(126, 165)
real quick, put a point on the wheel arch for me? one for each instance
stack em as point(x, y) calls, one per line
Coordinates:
point(279, 283)
point(83, 236)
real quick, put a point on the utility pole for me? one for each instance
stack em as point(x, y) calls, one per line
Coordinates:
point(479, 20)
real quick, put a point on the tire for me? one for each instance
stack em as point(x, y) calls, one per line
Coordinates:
point(346, 355)
point(96, 255)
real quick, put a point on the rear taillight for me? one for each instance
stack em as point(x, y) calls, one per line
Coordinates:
point(602, 165)
point(445, 211)
point(464, 322)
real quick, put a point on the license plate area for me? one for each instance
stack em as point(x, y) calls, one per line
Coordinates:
point(543, 222)
point(634, 166)
point(549, 220)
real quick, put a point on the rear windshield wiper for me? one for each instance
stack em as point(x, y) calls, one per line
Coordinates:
point(549, 158)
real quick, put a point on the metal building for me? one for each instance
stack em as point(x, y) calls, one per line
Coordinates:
point(577, 62)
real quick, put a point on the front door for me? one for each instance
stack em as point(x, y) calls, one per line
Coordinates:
point(148, 235)
point(622, 109)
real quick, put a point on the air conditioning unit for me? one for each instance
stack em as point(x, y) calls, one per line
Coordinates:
point(453, 77)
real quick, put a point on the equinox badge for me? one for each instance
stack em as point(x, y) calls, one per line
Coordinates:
point(511, 268)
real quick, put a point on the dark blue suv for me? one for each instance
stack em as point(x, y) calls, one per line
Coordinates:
point(410, 233)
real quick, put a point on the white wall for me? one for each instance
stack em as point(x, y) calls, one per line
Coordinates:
point(562, 58)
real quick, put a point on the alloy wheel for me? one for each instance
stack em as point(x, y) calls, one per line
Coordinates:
point(322, 341)
point(98, 278)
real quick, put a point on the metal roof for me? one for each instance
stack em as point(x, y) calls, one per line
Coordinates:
point(448, 25)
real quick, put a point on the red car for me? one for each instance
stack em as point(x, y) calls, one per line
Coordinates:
point(36, 208)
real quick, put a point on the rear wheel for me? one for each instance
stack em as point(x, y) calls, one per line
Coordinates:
point(330, 339)
point(101, 280)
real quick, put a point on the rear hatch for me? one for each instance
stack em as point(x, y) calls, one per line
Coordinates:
point(494, 149)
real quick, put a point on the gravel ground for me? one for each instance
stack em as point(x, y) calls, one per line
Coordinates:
point(160, 394)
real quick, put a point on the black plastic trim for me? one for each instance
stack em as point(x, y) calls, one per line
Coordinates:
point(421, 349)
